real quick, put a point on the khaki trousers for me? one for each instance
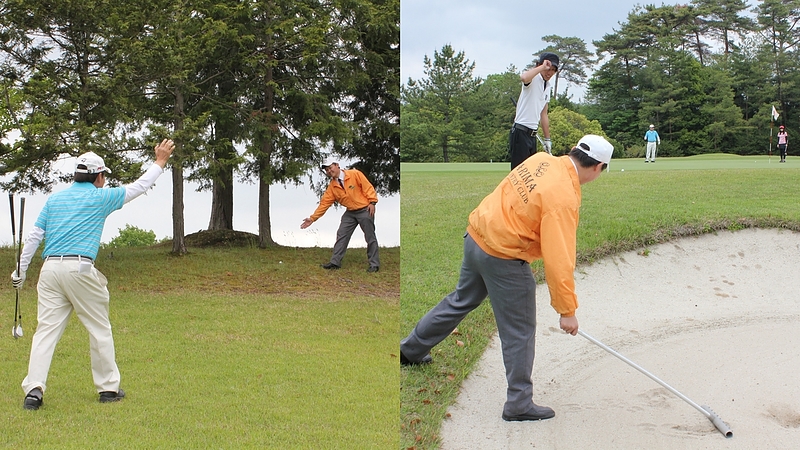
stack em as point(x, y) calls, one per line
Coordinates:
point(64, 286)
point(651, 152)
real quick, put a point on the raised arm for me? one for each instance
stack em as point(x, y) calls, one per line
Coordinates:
point(527, 76)
point(162, 151)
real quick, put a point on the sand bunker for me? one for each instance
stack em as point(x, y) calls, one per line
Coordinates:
point(717, 317)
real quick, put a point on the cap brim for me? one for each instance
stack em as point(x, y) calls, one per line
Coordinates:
point(106, 170)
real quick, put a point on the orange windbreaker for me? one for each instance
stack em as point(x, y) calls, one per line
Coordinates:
point(533, 214)
point(357, 193)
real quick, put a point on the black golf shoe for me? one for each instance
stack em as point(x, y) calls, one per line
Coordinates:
point(33, 400)
point(407, 362)
point(329, 266)
point(535, 413)
point(373, 269)
point(111, 396)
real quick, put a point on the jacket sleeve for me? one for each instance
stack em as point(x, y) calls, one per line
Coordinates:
point(324, 203)
point(558, 242)
point(367, 189)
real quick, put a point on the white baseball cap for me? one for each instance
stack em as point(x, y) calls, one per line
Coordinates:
point(597, 147)
point(652, 126)
point(92, 162)
point(328, 161)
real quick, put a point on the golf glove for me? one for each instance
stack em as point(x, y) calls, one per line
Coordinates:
point(17, 280)
point(548, 145)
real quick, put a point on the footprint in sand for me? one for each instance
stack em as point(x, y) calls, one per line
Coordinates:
point(784, 415)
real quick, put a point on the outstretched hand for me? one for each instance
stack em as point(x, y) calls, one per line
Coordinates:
point(306, 223)
point(164, 151)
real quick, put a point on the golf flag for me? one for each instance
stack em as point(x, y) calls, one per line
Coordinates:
point(774, 114)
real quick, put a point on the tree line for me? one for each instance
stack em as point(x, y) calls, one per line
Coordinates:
point(255, 89)
point(707, 74)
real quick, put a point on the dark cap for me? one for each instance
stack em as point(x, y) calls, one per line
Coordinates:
point(552, 57)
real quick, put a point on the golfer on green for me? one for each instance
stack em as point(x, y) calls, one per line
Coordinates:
point(532, 214)
point(71, 224)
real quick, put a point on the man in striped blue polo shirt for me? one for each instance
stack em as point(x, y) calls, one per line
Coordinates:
point(71, 224)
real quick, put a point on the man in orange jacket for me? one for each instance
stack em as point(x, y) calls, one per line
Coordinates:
point(532, 214)
point(351, 189)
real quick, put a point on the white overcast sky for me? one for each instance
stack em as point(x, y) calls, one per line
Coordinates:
point(289, 205)
point(497, 33)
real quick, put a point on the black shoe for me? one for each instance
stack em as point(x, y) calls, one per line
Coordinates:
point(373, 269)
point(33, 400)
point(535, 413)
point(329, 266)
point(111, 396)
point(406, 362)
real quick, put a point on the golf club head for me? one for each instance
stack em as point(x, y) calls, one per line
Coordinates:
point(17, 332)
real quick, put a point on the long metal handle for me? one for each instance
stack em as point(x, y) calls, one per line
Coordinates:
point(705, 410)
point(21, 219)
point(13, 224)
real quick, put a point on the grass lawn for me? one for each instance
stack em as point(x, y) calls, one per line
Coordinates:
point(220, 348)
point(623, 210)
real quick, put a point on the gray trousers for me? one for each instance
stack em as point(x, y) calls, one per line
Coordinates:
point(512, 289)
point(351, 219)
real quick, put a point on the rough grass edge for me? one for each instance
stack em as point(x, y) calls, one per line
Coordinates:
point(662, 235)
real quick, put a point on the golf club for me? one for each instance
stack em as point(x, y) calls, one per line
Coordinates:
point(17, 330)
point(543, 145)
point(537, 134)
point(705, 410)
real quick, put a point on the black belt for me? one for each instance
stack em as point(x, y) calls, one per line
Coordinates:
point(68, 258)
point(529, 131)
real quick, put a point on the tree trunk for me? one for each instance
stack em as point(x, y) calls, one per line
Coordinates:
point(264, 224)
point(265, 171)
point(222, 185)
point(222, 201)
point(178, 223)
point(555, 87)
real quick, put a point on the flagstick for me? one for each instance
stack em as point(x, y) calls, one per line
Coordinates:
point(771, 124)
point(774, 116)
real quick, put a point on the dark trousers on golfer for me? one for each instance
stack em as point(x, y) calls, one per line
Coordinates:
point(782, 149)
point(512, 289)
point(521, 144)
point(350, 220)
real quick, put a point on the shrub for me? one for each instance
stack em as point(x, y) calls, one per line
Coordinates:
point(132, 236)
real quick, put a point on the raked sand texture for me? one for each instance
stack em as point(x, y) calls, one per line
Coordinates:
point(717, 317)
